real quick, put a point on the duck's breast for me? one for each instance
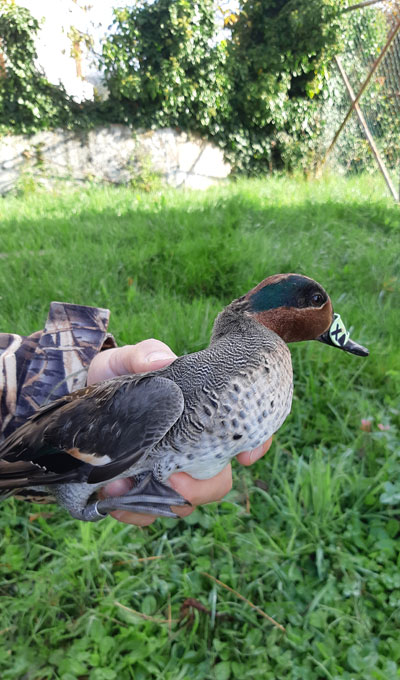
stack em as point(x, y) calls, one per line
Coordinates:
point(224, 416)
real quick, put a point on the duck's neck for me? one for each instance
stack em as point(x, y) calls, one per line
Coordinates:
point(234, 320)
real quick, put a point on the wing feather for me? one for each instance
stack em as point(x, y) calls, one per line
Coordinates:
point(119, 420)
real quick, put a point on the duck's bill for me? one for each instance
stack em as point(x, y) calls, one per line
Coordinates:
point(337, 336)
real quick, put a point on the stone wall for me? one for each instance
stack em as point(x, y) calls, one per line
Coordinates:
point(113, 154)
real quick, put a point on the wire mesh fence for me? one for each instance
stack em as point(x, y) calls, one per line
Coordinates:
point(362, 113)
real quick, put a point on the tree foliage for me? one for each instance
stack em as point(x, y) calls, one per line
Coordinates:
point(28, 102)
point(278, 57)
point(163, 64)
point(261, 92)
point(254, 92)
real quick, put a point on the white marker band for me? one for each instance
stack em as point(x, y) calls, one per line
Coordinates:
point(337, 332)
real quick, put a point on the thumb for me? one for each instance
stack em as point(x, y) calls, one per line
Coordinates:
point(148, 355)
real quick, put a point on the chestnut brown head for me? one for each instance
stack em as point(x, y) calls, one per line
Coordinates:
point(298, 308)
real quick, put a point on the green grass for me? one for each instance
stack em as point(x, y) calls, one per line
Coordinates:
point(309, 534)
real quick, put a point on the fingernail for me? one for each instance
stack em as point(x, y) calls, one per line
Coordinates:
point(159, 356)
point(257, 453)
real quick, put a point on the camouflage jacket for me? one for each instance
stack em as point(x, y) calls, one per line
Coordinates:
point(48, 364)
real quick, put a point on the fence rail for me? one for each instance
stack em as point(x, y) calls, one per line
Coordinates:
point(368, 95)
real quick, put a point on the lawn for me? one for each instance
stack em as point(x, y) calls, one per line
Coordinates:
point(309, 535)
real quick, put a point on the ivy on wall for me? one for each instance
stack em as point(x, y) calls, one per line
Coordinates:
point(163, 64)
point(258, 92)
point(28, 102)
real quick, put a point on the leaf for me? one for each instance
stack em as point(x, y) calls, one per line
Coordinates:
point(391, 495)
point(222, 670)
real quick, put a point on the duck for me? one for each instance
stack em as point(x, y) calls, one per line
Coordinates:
point(193, 415)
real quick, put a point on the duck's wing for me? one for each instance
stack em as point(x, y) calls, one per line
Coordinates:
point(92, 435)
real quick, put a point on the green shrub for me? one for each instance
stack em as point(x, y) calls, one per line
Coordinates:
point(28, 102)
point(268, 94)
point(255, 93)
point(162, 67)
point(278, 57)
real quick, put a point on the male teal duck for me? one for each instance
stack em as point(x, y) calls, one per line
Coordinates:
point(193, 415)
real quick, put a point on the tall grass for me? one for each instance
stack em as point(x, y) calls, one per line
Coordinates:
point(309, 534)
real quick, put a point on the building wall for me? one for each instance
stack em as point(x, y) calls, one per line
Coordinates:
point(113, 154)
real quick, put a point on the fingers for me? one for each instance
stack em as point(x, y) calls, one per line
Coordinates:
point(200, 491)
point(118, 488)
point(250, 457)
point(148, 355)
point(197, 492)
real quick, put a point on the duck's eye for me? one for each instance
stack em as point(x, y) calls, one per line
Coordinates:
point(317, 299)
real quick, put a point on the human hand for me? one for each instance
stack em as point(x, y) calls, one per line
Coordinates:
point(150, 355)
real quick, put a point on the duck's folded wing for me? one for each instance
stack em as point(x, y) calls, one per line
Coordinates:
point(92, 435)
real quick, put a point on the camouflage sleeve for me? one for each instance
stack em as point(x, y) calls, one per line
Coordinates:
point(51, 363)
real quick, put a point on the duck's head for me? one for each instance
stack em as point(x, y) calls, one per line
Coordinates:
point(298, 308)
